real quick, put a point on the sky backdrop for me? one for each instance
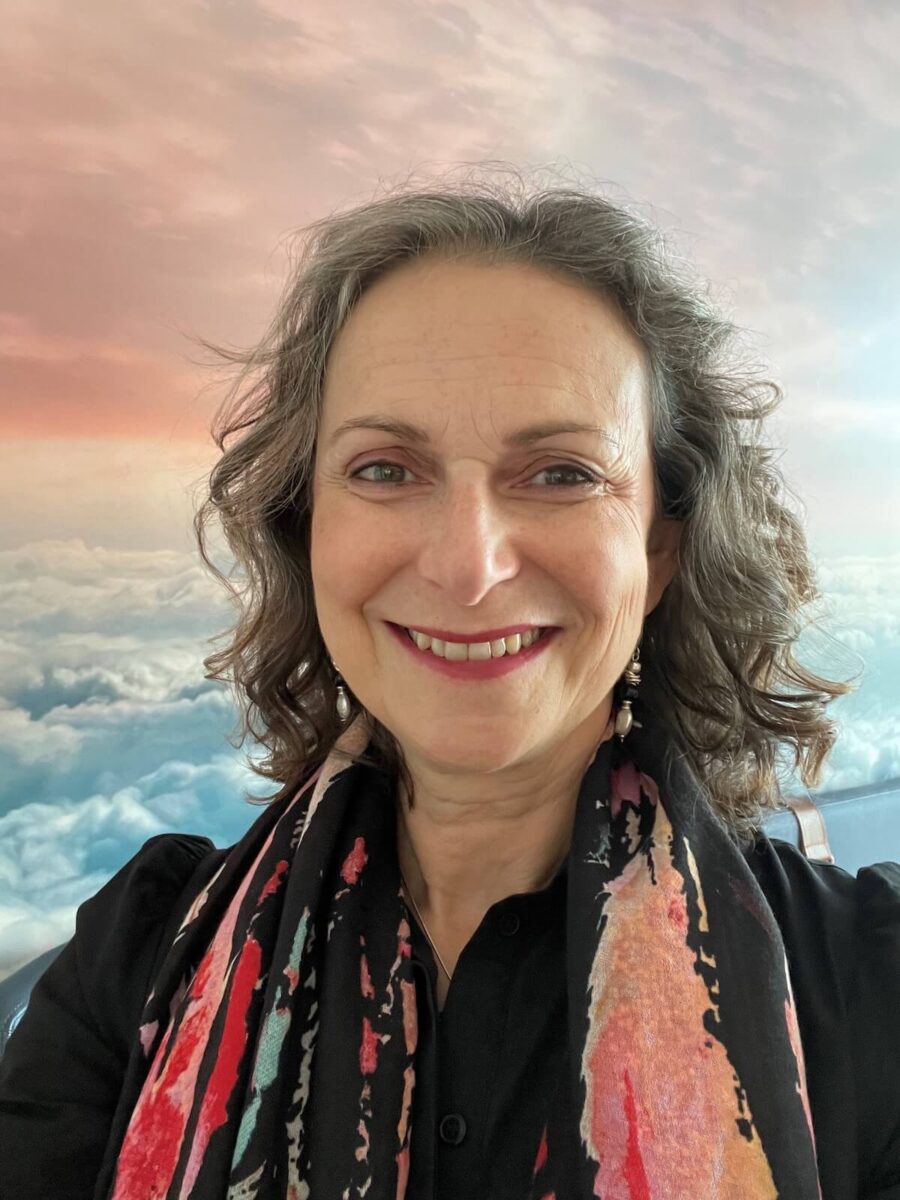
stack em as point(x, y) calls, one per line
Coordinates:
point(156, 158)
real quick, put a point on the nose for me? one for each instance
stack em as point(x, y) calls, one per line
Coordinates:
point(468, 542)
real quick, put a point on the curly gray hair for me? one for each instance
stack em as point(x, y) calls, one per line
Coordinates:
point(719, 668)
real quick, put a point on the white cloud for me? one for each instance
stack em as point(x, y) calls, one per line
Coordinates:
point(109, 733)
point(53, 856)
point(69, 585)
point(33, 742)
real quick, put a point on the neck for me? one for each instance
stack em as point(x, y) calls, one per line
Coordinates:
point(466, 846)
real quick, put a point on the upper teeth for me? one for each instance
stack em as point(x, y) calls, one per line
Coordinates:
point(460, 651)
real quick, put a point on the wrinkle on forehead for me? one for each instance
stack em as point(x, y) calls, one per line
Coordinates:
point(406, 335)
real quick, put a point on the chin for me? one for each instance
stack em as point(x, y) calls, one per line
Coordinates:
point(473, 743)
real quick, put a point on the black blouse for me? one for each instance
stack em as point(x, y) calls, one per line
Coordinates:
point(486, 1063)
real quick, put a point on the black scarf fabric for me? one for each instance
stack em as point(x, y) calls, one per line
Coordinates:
point(278, 1044)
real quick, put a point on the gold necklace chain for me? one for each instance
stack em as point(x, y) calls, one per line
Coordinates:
point(424, 926)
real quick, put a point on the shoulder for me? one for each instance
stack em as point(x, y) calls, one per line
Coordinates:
point(874, 1013)
point(144, 890)
point(812, 899)
point(62, 1073)
point(822, 906)
point(120, 929)
point(816, 908)
point(802, 894)
point(842, 938)
point(152, 878)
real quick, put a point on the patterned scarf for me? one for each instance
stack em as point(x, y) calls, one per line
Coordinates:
point(278, 1043)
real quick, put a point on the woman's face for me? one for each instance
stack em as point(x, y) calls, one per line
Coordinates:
point(471, 530)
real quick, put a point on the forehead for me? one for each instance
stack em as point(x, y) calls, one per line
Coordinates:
point(509, 334)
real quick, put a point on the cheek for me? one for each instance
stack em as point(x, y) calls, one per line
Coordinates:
point(606, 575)
point(331, 565)
point(349, 562)
point(320, 553)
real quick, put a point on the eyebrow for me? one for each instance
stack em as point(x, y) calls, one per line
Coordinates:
point(519, 437)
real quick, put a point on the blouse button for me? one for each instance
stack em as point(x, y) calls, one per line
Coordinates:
point(452, 1129)
point(509, 924)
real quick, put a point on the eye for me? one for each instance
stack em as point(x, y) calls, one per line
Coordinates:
point(588, 478)
point(373, 466)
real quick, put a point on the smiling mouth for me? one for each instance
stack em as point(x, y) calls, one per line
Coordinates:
point(504, 647)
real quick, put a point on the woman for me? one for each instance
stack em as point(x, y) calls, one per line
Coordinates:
point(508, 927)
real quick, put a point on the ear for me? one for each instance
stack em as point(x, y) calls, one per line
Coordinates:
point(663, 545)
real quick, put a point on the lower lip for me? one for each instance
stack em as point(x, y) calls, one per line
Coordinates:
point(489, 668)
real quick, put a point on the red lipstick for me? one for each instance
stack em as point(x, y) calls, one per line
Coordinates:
point(491, 668)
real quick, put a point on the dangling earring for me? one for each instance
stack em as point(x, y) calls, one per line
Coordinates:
point(624, 717)
point(343, 700)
